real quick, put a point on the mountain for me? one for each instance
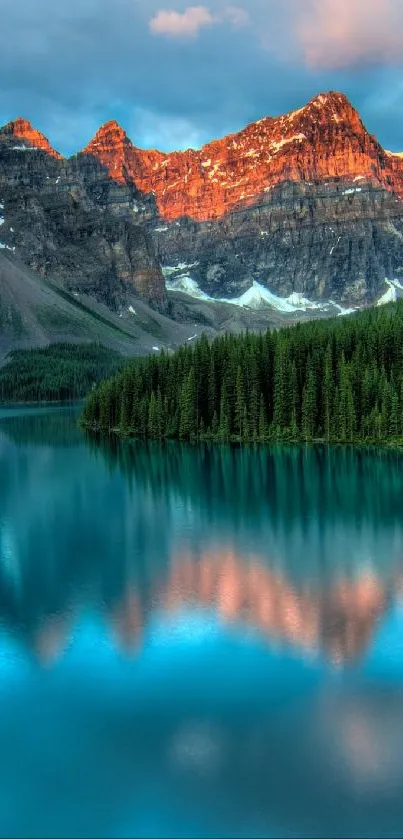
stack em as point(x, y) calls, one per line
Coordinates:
point(301, 213)
point(326, 139)
point(69, 221)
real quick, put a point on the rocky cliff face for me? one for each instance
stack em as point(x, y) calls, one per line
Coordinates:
point(70, 222)
point(307, 207)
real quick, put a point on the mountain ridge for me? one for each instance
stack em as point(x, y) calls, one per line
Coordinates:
point(20, 123)
point(305, 144)
point(307, 205)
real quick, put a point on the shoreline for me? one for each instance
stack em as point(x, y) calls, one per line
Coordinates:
point(43, 404)
point(396, 444)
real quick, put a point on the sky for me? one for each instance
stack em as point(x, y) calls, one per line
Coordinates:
point(178, 73)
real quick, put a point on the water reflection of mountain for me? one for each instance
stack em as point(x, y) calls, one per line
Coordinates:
point(302, 544)
point(337, 621)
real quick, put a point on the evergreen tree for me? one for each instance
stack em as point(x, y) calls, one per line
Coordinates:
point(328, 393)
point(245, 426)
point(253, 413)
point(309, 403)
point(239, 401)
point(282, 385)
point(394, 422)
point(224, 427)
point(126, 404)
point(188, 421)
point(105, 406)
point(262, 420)
point(153, 417)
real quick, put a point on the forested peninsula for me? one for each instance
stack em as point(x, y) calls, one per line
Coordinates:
point(338, 380)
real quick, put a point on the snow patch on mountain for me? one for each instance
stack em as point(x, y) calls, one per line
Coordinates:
point(168, 270)
point(275, 146)
point(351, 190)
point(23, 147)
point(342, 310)
point(186, 285)
point(391, 294)
point(256, 297)
point(300, 302)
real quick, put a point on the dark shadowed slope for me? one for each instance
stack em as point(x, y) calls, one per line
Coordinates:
point(34, 313)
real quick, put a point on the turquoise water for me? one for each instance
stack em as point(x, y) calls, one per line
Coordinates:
point(195, 641)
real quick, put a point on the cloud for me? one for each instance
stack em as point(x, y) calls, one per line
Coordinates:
point(182, 25)
point(69, 67)
point(338, 34)
point(236, 16)
point(189, 23)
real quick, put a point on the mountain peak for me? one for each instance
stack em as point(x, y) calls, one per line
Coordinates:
point(22, 129)
point(332, 106)
point(331, 97)
point(20, 125)
point(110, 145)
point(109, 134)
point(112, 125)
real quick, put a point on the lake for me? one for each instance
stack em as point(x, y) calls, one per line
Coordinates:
point(198, 641)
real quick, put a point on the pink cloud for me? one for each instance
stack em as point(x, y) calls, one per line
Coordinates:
point(185, 24)
point(188, 24)
point(336, 34)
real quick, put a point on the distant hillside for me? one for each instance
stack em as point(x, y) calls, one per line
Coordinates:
point(34, 313)
point(59, 372)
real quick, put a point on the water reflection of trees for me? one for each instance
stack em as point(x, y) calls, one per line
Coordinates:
point(290, 482)
point(56, 427)
point(259, 551)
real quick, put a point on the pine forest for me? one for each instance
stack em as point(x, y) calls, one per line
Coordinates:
point(338, 380)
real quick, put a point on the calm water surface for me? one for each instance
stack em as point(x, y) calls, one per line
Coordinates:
point(198, 642)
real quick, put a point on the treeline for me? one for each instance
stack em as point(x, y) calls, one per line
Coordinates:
point(59, 372)
point(339, 380)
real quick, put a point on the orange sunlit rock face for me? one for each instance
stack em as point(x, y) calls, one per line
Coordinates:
point(23, 131)
point(324, 140)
